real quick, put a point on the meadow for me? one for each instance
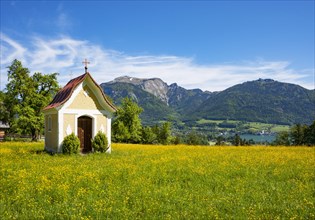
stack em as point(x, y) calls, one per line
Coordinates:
point(158, 182)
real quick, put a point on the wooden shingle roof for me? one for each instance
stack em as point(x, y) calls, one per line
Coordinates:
point(65, 93)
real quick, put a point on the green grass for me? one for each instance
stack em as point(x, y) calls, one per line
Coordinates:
point(279, 128)
point(264, 126)
point(158, 182)
point(208, 121)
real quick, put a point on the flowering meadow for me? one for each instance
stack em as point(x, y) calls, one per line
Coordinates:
point(158, 182)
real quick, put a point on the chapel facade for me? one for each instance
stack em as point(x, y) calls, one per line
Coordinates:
point(82, 108)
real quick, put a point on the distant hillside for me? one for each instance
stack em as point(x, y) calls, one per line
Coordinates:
point(159, 101)
point(155, 110)
point(261, 100)
point(183, 100)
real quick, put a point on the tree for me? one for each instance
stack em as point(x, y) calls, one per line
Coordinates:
point(3, 111)
point(127, 125)
point(310, 134)
point(17, 90)
point(237, 141)
point(194, 138)
point(163, 133)
point(148, 136)
point(25, 97)
point(282, 138)
point(219, 140)
point(297, 134)
point(120, 132)
point(45, 87)
point(177, 140)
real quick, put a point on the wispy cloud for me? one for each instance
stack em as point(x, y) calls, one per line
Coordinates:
point(65, 54)
point(63, 21)
point(10, 50)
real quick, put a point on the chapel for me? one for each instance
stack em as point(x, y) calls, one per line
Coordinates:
point(82, 108)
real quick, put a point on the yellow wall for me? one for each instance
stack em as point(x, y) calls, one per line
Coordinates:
point(101, 120)
point(68, 119)
point(51, 137)
point(85, 100)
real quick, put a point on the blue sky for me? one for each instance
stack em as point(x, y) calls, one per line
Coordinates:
point(210, 45)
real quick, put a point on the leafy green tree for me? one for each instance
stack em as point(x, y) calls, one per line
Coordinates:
point(120, 132)
point(297, 133)
point(178, 139)
point(219, 140)
point(17, 89)
point(25, 97)
point(282, 138)
point(3, 111)
point(194, 138)
point(310, 134)
point(127, 125)
point(237, 141)
point(148, 136)
point(163, 133)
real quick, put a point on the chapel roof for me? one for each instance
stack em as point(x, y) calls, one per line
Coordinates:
point(65, 93)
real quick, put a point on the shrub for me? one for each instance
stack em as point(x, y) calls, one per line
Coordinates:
point(100, 143)
point(71, 144)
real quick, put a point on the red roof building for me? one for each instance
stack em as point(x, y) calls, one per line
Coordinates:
point(80, 107)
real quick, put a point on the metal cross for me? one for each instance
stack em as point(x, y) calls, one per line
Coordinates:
point(85, 62)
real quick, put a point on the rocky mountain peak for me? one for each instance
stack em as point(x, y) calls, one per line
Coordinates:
point(155, 86)
point(128, 79)
point(169, 94)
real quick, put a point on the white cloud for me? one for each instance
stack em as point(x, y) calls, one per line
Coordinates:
point(10, 50)
point(63, 21)
point(65, 55)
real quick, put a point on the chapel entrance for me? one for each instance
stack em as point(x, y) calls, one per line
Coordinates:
point(85, 133)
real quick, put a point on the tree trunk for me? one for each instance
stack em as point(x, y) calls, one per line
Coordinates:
point(34, 135)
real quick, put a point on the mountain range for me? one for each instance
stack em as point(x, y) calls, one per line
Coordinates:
point(262, 100)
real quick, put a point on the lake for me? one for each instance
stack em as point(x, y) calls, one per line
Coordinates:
point(259, 138)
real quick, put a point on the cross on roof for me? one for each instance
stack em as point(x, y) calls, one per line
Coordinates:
point(85, 62)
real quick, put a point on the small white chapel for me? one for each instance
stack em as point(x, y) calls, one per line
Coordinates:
point(80, 107)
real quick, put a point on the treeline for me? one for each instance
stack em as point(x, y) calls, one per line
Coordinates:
point(298, 135)
point(23, 99)
point(127, 128)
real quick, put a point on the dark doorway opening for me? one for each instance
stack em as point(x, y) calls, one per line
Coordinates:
point(85, 133)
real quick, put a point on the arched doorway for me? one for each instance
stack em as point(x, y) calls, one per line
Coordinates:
point(85, 133)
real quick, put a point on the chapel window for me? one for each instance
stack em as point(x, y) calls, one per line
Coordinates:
point(49, 123)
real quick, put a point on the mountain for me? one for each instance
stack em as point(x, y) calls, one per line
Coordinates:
point(183, 100)
point(155, 86)
point(155, 110)
point(160, 101)
point(262, 100)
